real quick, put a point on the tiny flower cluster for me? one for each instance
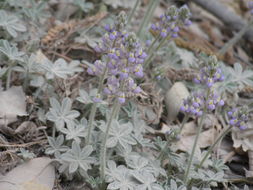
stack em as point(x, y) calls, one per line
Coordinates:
point(171, 21)
point(250, 5)
point(196, 103)
point(206, 100)
point(238, 117)
point(123, 58)
point(210, 73)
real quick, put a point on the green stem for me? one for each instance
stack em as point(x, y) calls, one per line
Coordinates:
point(133, 11)
point(151, 55)
point(183, 123)
point(193, 149)
point(103, 145)
point(236, 38)
point(94, 107)
point(167, 143)
point(8, 78)
point(153, 43)
point(146, 17)
point(212, 147)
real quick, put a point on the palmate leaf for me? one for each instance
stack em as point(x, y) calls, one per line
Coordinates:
point(83, 5)
point(174, 186)
point(11, 24)
point(147, 181)
point(120, 134)
point(84, 97)
point(119, 177)
point(56, 146)
point(35, 11)
point(60, 68)
point(78, 158)
point(122, 3)
point(76, 131)
point(235, 78)
point(62, 114)
point(11, 51)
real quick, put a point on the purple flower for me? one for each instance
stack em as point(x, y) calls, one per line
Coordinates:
point(210, 73)
point(170, 22)
point(97, 99)
point(124, 57)
point(164, 33)
point(176, 29)
point(138, 71)
point(238, 117)
point(174, 35)
point(90, 71)
point(221, 103)
point(188, 22)
point(131, 58)
point(148, 43)
point(113, 35)
point(137, 90)
point(121, 98)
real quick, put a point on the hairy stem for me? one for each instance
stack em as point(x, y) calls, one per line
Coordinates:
point(152, 45)
point(133, 11)
point(213, 145)
point(146, 17)
point(8, 80)
point(94, 107)
point(152, 54)
point(193, 149)
point(103, 145)
point(167, 143)
point(236, 38)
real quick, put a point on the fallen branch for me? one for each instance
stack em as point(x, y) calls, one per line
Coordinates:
point(229, 18)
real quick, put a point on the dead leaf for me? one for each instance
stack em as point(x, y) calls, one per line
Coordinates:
point(174, 99)
point(188, 135)
point(36, 174)
point(243, 138)
point(13, 104)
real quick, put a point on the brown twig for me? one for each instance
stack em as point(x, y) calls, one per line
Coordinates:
point(229, 18)
point(24, 145)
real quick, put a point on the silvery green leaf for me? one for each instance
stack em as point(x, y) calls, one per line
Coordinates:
point(3, 71)
point(155, 168)
point(208, 176)
point(84, 97)
point(130, 109)
point(219, 165)
point(78, 158)
point(235, 78)
point(119, 177)
point(62, 113)
point(136, 162)
point(26, 154)
point(91, 40)
point(11, 23)
point(123, 3)
point(147, 180)
point(60, 68)
point(144, 142)
point(10, 51)
point(139, 125)
point(123, 152)
point(56, 146)
point(83, 5)
point(35, 11)
point(75, 132)
point(28, 65)
point(121, 133)
point(37, 81)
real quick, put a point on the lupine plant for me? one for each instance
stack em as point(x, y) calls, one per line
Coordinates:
point(100, 136)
